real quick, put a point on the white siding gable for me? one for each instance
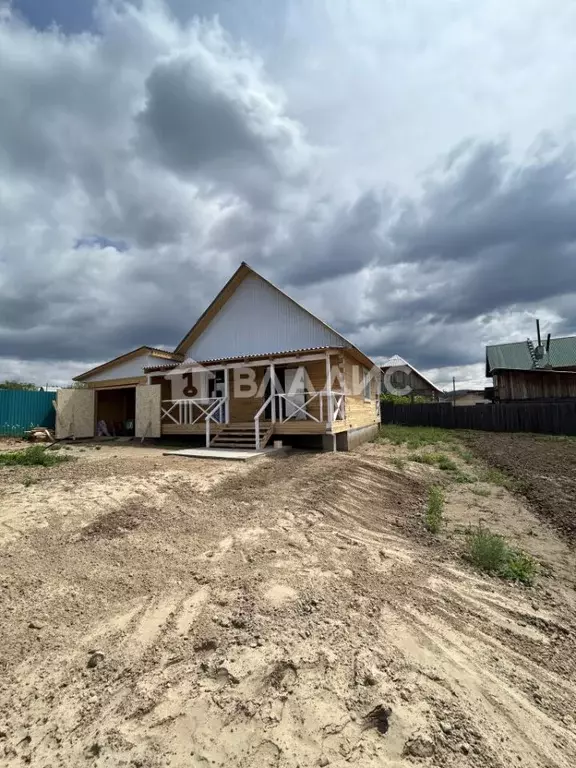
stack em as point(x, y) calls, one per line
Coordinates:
point(129, 369)
point(257, 320)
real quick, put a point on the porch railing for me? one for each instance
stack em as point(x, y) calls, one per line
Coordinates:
point(330, 404)
point(196, 409)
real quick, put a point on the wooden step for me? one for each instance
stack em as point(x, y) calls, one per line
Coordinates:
point(237, 446)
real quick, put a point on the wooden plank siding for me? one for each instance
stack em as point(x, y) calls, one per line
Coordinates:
point(534, 385)
point(359, 411)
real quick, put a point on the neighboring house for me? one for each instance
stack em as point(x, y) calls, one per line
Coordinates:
point(521, 371)
point(465, 397)
point(255, 366)
point(399, 377)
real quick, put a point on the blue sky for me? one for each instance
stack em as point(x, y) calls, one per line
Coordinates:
point(70, 15)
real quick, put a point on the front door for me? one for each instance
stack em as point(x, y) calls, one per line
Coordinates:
point(216, 388)
point(295, 390)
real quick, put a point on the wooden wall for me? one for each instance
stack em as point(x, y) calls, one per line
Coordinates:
point(359, 411)
point(534, 385)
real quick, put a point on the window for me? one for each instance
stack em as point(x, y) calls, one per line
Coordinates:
point(399, 379)
point(367, 384)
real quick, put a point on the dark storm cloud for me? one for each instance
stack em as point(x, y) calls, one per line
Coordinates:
point(489, 234)
point(173, 142)
point(191, 124)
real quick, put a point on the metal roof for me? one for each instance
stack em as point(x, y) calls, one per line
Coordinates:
point(398, 362)
point(516, 356)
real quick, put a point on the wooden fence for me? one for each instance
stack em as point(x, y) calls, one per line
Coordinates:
point(548, 418)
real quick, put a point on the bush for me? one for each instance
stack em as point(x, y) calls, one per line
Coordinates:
point(434, 509)
point(489, 552)
point(35, 456)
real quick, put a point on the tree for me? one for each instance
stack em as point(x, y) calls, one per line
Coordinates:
point(8, 384)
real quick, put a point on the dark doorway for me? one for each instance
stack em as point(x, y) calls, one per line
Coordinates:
point(116, 408)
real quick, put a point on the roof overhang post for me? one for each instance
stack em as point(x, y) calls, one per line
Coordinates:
point(329, 407)
point(273, 391)
point(227, 391)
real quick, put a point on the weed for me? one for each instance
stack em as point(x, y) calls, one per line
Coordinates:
point(398, 462)
point(414, 437)
point(36, 455)
point(489, 552)
point(466, 456)
point(480, 491)
point(434, 509)
point(434, 460)
point(28, 481)
point(462, 477)
point(446, 463)
point(520, 567)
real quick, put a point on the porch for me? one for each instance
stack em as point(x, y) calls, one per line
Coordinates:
point(246, 405)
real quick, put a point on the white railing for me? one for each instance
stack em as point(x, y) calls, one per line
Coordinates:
point(334, 408)
point(196, 409)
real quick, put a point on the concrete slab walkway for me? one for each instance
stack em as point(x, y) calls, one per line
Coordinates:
point(230, 454)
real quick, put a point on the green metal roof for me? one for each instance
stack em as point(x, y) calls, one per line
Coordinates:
point(516, 356)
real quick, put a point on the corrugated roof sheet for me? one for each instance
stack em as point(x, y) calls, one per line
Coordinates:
point(398, 362)
point(516, 355)
point(240, 358)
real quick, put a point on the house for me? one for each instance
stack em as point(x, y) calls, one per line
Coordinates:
point(399, 377)
point(255, 366)
point(521, 371)
point(465, 397)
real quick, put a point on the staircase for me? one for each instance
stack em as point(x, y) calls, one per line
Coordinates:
point(241, 437)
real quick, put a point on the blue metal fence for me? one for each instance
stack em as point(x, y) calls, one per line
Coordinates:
point(20, 410)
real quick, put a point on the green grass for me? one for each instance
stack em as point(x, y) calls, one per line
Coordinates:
point(398, 462)
point(490, 552)
point(434, 459)
point(35, 456)
point(480, 491)
point(462, 477)
point(434, 509)
point(414, 437)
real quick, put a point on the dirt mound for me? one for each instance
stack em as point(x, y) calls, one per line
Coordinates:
point(290, 615)
point(542, 469)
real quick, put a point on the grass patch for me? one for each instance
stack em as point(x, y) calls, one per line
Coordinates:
point(28, 481)
point(490, 552)
point(434, 459)
point(35, 456)
point(414, 437)
point(466, 456)
point(434, 509)
point(480, 491)
point(398, 462)
point(462, 477)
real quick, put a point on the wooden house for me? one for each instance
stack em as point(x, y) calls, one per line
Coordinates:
point(256, 366)
point(519, 374)
point(400, 377)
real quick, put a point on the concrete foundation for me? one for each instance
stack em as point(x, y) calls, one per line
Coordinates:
point(347, 441)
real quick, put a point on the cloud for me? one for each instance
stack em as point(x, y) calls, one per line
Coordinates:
point(360, 156)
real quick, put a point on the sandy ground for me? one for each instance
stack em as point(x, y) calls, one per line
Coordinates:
point(291, 612)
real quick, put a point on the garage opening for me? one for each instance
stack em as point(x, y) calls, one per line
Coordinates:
point(116, 412)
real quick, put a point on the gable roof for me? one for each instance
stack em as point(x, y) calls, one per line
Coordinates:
point(152, 351)
point(333, 338)
point(398, 362)
point(516, 356)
